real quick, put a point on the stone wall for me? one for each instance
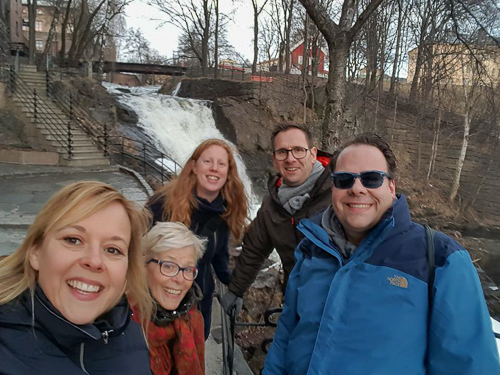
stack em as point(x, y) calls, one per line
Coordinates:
point(4, 41)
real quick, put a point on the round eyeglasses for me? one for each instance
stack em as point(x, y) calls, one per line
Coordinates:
point(171, 269)
point(297, 152)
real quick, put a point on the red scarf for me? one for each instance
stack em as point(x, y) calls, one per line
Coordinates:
point(179, 347)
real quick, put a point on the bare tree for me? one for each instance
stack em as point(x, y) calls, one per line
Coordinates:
point(31, 22)
point(193, 18)
point(339, 37)
point(257, 10)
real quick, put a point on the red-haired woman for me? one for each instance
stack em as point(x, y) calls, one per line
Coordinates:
point(209, 198)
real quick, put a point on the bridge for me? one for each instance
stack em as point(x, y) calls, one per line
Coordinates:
point(119, 67)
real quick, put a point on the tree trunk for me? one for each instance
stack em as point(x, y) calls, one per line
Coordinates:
point(335, 93)
point(50, 36)
point(435, 144)
point(255, 36)
point(288, 33)
point(64, 27)
point(32, 34)
point(461, 159)
point(216, 52)
point(396, 52)
point(205, 39)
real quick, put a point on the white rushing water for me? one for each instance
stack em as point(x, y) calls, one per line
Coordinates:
point(178, 125)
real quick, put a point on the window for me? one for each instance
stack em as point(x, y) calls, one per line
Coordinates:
point(25, 24)
point(25, 10)
point(17, 28)
point(39, 45)
point(38, 26)
point(300, 60)
point(39, 11)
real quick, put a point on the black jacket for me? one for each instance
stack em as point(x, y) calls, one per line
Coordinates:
point(276, 228)
point(114, 344)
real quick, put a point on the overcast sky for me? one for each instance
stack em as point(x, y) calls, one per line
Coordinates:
point(164, 39)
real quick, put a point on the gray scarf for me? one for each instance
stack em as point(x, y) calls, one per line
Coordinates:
point(293, 197)
point(332, 226)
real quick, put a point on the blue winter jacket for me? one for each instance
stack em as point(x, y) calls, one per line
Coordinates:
point(51, 345)
point(369, 315)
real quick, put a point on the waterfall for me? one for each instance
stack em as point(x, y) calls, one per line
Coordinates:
point(177, 125)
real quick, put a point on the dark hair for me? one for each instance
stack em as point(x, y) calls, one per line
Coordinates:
point(284, 126)
point(370, 139)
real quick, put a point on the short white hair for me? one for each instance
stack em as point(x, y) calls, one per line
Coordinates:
point(172, 235)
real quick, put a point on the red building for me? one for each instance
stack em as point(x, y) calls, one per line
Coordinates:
point(297, 56)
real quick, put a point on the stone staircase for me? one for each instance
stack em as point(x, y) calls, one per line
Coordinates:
point(52, 122)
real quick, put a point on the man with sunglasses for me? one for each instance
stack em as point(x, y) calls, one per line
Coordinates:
point(361, 298)
point(300, 189)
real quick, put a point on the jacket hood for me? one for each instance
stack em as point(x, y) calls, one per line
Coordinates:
point(163, 317)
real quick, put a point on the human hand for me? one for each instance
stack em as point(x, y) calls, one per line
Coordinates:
point(230, 301)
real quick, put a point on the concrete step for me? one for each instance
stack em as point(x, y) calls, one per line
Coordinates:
point(84, 162)
point(83, 151)
point(77, 142)
point(74, 137)
point(61, 131)
point(28, 68)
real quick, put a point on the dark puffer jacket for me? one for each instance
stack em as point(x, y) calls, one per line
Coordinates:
point(206, 221)
point(276, 228)
point(50, 345)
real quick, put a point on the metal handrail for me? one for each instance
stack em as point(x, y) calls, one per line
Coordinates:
point(142, 157)
point(98, 132)
point(58, 127)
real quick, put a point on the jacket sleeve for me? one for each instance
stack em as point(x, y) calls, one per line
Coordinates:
point(256, 247)
point(276, 358)
point(220, 261)
point(461, 339)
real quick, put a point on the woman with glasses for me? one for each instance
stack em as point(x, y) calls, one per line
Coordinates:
point(209, 198)
point(175, 333)
point(63, 308)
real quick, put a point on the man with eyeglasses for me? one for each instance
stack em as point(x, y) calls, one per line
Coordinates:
point(300, 189)
point(361, 298)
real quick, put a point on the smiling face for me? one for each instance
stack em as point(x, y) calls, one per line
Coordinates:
point(211, 171)
point(294, 171)
point(170, 291)
point(360, 209)
point(82, 267)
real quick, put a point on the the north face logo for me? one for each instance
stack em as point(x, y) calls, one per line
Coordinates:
point(399, 281)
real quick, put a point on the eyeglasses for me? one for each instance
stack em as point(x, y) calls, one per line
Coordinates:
point(171, 269)
point(297, 152)
point(369, 179)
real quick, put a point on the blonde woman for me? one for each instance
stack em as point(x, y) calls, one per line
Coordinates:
point(175, 335)
point(62, 303)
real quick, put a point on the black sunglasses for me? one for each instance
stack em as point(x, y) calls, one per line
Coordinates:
point(369, 179)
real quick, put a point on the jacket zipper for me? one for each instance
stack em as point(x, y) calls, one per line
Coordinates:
point(82, 351)
point(105, 335)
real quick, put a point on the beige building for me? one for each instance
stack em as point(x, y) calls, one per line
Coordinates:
point(458, 64)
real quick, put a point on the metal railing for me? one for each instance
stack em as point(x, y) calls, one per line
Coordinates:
point(97, 132)
point(143, 158)
point(59, 127)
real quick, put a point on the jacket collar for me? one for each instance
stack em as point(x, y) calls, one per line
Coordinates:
point(320, 186)
point(396, 220)
point(163, 317)
point(68, 334)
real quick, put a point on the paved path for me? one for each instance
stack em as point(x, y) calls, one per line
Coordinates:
point(25, 189)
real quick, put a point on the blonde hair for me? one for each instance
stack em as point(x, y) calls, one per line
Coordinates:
point(172, 235)
point(69, 205)
point(180, 201)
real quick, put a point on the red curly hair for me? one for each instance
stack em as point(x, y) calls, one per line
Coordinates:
point(180, 200)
